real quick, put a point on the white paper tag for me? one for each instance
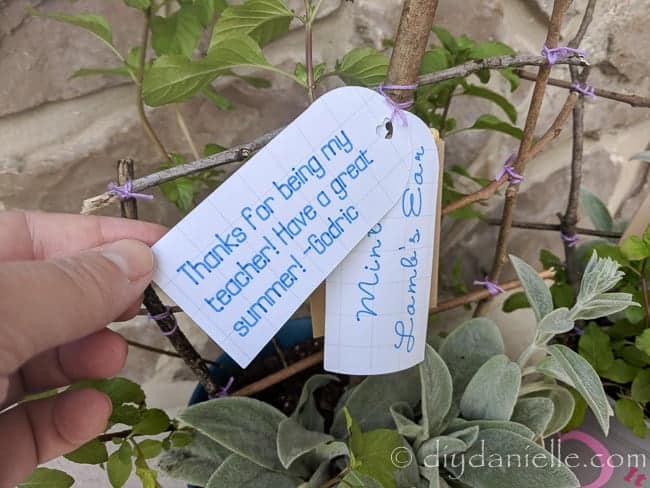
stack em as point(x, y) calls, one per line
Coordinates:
point(250, 254)
point(377, 299)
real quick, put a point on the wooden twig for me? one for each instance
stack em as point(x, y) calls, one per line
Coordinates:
point(632, 100)
point(166, 322)
point(556, 228)
point(569, 220)
point(527, 143)
point(172, 309)
point(164, 352)
point(242, 152)
point(279, 376)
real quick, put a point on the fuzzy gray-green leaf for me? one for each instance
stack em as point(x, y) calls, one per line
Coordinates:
point(503, 445)
point(558, 321)
point(467, 348)
point(239, 472)
point(437, 391)
point(563, 407)
point(585, 380)
point(534, 412)
point(518, 429)
point(405, 425)
point(440, 446)
point(306, 412)
point(492, 392)
point(246, 426)
point(539, 296)
point(294, 440)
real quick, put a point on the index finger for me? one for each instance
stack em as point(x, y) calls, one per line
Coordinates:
point(35, 235)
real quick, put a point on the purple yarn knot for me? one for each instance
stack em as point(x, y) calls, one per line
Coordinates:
point(124, 192)
point(585, 89)
point(398, 107)
point(164, 315)
point(571, 241)
point(492, 288)
point(223, 391)
point(561, 52)
point(513, 177)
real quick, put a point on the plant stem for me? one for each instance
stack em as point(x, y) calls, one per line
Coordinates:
point(164, 352)
point(138, 86)
point(527, 143)
point(445, 112)
point(180, 120)
point(309, 50)
point(644, 290)
point(155, 306)
point(557, 228)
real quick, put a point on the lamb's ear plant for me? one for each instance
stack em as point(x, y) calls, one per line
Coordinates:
point(419, 427)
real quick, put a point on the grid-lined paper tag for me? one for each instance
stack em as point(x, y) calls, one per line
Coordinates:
point(377, 299)
point(250, 254)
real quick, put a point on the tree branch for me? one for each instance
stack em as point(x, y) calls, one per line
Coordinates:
point(527, 142)
point(167, 324)
point(557, 228)
point(164, 352)
point(242, 152)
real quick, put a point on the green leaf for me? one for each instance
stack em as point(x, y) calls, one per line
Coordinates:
point(236, 51)
point(178, 33)
point(579, 412)
point(363, 66)
point(631, 415)
point(175, 78)
point(262, 20)
point(557, 322)
point(445, 38)
point(563, 295)
point(195, 462)
point(47, 478)
point(487, 94)
point(118, 469)
point(620, 372)
point(253, 435)
point(636, 357)
point(511, 77)
point(437, 391)
point(516, 301)
point(596, 210)
point(239, 472)
point(93, 452)
point(492, 122)
point(434, 60)
point(585, 380)
point(219, 101)
point(493, 391)
point(516, 428)
point(117, 71)
point(154, 421)
point(181, 438)
point(370, 402)
point(139, 4)
point(180, 192)
point(641, 387)
point(126, 414)
point(467, 348)
point(539, 296)
point(150, 448)
point(535, 413)
point(294, 440)
point(207, 10)
point(211, 149)
point(643, 342)
point(148, 477)
point(623, 329)
point(564, 406)
point(484, 50)
point(546, 472)
point(119, 390)
point(95, 24)
point(635, 249)
point(370, 450)
point(595, 346)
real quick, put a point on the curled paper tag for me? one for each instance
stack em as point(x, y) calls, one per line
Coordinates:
point(251, 253)
point(378, 297)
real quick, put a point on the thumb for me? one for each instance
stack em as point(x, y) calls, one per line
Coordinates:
point(44, 304)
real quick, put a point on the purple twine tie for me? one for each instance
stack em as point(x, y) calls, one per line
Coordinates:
point(164, 315)
point(513, 177)
point(223, 391)
point(571, 241)
point(492, 288)
point(585, 89)
point(398, 107)
point(561, 52)
point(125, 192)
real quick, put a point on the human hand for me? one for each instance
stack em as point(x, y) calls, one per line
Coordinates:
point(63, 278)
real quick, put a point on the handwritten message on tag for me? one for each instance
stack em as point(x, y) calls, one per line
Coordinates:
point(248, 256)
point(378, 297)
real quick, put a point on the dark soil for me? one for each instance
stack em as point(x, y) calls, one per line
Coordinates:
point(284, 395)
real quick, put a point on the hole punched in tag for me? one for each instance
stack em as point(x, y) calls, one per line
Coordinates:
point(385, 129)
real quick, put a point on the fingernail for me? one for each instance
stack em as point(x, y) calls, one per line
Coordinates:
point(134, 258)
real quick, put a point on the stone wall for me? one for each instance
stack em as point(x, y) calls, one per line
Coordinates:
point(60, 138)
